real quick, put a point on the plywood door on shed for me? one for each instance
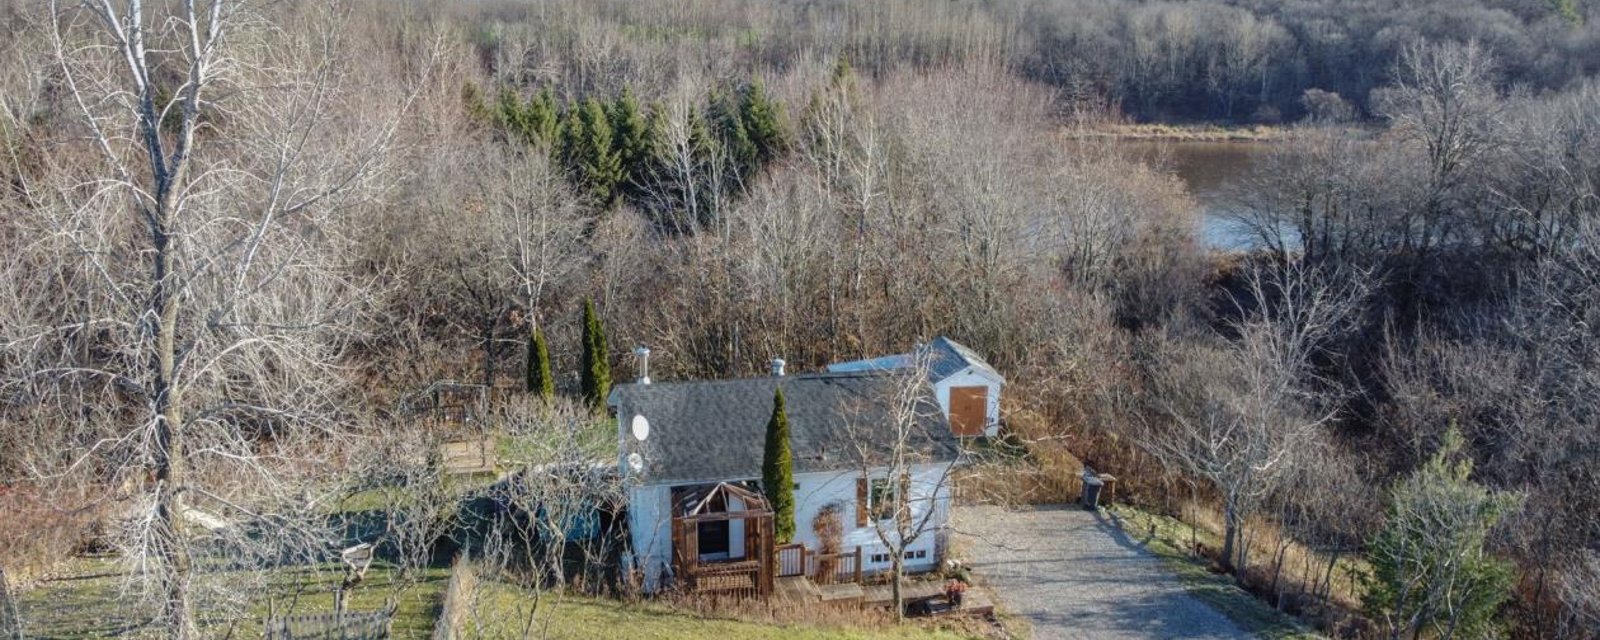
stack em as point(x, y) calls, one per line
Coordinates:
point(969, 410)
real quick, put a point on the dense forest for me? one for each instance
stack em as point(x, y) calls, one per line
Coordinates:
point(253, 244)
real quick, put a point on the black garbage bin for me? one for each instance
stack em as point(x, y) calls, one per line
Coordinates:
point(1091, 489)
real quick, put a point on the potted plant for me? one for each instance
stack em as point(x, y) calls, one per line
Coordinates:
point(954, 591)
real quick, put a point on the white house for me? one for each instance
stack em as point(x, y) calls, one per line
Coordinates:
point(680, 443)
point(967, 387)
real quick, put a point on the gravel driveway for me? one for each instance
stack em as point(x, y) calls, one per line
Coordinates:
point(1075, 574)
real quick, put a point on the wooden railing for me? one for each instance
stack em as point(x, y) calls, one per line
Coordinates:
point(791, 559)
point(732, 578)
point(830, 568)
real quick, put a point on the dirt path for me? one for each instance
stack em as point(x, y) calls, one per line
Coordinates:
point(1074, 574)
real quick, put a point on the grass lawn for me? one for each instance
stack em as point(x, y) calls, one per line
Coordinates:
point(88, 602)
point(503, 610)
point(1219, 591)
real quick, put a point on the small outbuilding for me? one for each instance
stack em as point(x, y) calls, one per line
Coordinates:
point(967, 387)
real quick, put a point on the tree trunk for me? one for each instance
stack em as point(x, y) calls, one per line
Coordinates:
point(1327, 579)
point(167, 465)
point(898, 573)
point(1230, 534)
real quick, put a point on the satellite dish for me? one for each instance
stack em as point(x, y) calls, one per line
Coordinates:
point(636, 462)
point(641, 428)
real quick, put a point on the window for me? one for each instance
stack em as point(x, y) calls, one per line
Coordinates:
point(880, 558)
point(917, 555)
point(882, 499)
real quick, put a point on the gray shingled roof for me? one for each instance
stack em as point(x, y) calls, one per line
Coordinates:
point(946, 359)
point(716, 430)
point(950, 357)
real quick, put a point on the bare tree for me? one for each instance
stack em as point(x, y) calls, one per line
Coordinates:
point(1581, 589)
point(201, 223)
point(535, 225)
point(1237, 412)
point(1444, 98)
point(555, 510)
point(906, 464)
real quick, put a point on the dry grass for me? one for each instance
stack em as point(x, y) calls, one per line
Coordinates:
point(1195, 539)
point(40, 529)
point(565, 615)
point(1182, 133)
point(1163, 536)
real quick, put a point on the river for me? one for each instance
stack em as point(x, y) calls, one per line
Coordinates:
point(1210, 170)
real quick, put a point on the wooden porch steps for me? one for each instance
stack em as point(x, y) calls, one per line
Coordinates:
point(845, 593)
point(798, 589)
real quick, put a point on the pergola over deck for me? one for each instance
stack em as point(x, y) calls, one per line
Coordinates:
point(750, 575)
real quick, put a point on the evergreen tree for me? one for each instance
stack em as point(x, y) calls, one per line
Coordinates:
point(843, 77)
point(763, 122)
point(539, 379)
point(1431, 569)
point(590, 154)
point(569, 142)
point(508, 112)
point(727, 120)
point(596, 376)
point(777, 471)
point(477, 108)
point(543, 117)
point(630, 137)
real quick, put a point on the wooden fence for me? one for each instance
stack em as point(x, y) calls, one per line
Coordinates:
point(737, 579)
point(456, 607)
point(349, 625)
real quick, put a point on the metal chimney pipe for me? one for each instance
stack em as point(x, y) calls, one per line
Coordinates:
point(643, 354)
point(777, 367)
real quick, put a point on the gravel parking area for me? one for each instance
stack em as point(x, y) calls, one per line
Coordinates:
point(1075, 574)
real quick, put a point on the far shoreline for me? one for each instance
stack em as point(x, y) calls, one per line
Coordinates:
point(1180, 132)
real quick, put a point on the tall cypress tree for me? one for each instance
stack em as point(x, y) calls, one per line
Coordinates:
point(596, 362)
point(777, 471)
point(539, 380)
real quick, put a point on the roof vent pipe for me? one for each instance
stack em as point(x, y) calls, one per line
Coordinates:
point(777, 367)
point(643, 354)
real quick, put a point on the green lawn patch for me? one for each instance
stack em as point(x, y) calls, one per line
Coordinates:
point(89, 602)
point(1170, 541)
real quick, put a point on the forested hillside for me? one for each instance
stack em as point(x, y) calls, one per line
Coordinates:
point(235, 247)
